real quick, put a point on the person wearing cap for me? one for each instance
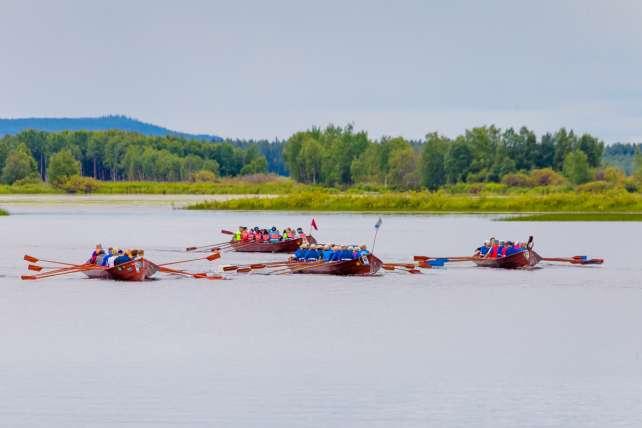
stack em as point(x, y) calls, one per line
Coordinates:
point(275, 236)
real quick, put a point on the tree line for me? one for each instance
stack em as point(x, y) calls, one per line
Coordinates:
point(341, 156)
point(332, 156)
point(119, 155)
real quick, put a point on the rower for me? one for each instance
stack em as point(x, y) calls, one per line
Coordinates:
point(312, 254)
point(123, 257)
point(363, 250)
point(327, 253)
point(300, 253)
point(274, 235)
point(237, 234)
point(94, 254)
point(301, 234)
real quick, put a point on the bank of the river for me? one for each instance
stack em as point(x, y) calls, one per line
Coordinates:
point(263, 185)
point(3, 212)
point(613, 202)
point(614, 216)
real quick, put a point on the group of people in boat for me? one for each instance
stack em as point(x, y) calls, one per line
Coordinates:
point(329, 252)
point(494, 248)
point(268, 235)
point(114, 256)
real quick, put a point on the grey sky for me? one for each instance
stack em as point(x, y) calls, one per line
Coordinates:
point(269, 68)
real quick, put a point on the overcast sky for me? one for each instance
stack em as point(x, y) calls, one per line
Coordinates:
point(265, 69)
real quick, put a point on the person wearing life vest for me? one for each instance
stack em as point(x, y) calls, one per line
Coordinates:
point(245, 236)
point(274, 235)
point(237, 234)
point(312, 254)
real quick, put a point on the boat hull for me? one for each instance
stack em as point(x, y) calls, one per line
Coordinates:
point(514, 261)
point(288, 246)
point(364, 266)
point(135, 270)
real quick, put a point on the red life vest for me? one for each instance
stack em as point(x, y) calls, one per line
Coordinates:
point(275, 235)
point(493, 252)
point(244, 235)
point(266, 237)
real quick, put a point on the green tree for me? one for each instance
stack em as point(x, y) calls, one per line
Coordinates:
point(257, 166)
point(433, 156)
point(403, 173)
point(637, 166)
point(458, 161)
point(19, 165)
point(62, 165)
point(576, 167)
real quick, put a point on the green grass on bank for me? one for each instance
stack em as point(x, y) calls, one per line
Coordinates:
point(261, 185)
point(575, 217)
point(621, 201)
point(3, 212)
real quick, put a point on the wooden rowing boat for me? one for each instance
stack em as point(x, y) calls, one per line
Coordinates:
point(135, 270)
point(363, 266)
point(285, 246)
point(514, 261)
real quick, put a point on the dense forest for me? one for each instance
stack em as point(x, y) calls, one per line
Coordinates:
point(333, 156)
point(119, 155)
point(341, 156)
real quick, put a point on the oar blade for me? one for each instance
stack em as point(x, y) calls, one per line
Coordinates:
point(244, 270)
point(214, 256)
point(30, 259)
point(35, 268)
point(28, 277)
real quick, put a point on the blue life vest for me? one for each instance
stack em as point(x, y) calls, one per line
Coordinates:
point(300, 253)
point(327, 255)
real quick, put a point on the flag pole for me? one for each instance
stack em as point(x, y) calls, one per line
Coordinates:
point(374, 240)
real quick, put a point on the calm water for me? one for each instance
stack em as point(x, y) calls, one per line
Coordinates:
point(463, 346)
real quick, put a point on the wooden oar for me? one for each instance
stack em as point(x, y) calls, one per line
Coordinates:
point(207, 246)
point(62, 272)
point(211, 257)
point(453, 258)
point(32, 259)
point(185, 273)
point(576, 260)
point(227, 232)
point(256, 265)
point(401, 267)
point(299, 268)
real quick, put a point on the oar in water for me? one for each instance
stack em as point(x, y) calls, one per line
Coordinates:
point(192, 275)
point(256, 265)
point(401, 267)
point(32, 259)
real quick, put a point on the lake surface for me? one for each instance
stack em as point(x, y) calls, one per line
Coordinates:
point(558, 346)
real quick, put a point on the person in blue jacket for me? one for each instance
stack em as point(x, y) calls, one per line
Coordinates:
point(299, 254)
point(327, 253)
point(312, 254)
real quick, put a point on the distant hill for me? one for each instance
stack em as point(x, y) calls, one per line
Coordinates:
point(123, 123)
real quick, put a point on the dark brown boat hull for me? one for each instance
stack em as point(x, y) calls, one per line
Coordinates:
point(288, 246)
point(514, 261)
point(363, 266)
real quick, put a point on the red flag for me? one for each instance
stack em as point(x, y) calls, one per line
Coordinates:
point(314, 224)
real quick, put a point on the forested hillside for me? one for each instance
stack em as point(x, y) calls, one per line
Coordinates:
point(104, 123)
